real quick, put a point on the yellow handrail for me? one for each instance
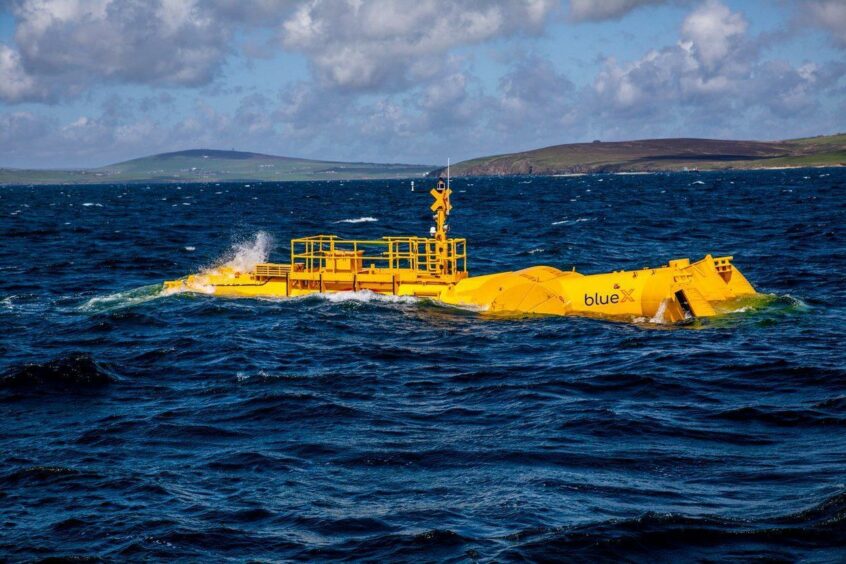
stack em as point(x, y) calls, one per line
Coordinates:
point(393, 253)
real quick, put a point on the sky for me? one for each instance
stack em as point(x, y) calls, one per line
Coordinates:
point(85, 83)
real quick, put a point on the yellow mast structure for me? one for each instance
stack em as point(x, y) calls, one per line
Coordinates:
point(441, 206)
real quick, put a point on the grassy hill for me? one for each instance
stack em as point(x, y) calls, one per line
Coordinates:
point(206, 165)
point(660, 155)
point(202, 165)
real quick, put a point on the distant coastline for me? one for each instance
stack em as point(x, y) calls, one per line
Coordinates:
point(208, 165)
point(659, 155)
point(622, 157)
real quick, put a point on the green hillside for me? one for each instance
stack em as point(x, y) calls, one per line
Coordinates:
point(201, 165)
point(660, 155)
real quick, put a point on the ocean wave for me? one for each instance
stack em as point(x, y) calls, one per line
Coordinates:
point(364, 219)
point(570, 221)
point(127, 298)
point(41, 475)
point(247, 253)
point(359, 297)
point(74, 371)
point(781, 417)
point(242, 257)
point(372, 427)
point(436, 544)
point(819, 529)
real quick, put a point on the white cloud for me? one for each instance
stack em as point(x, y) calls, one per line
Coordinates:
point(713, 31)
point(63, 47)
point(390, 43)
point(714, 74)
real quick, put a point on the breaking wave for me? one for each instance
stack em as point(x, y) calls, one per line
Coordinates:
point(365, 219)
point(361, 296)
point(246, 254)
point(243, 257)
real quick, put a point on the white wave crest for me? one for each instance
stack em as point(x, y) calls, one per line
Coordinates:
point(365, 219)
point(245, 255)
point(567, 221)
point(658, 318)
point(120, 300)
point(365, 296)
point(7, 302)
point(659, 313)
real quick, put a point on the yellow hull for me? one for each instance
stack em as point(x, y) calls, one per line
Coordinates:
point(435, 267)
point(670, 293)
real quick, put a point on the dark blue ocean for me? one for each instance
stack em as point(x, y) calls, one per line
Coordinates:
point(136, 426)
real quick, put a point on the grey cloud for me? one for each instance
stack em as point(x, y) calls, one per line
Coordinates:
point(166, 42)
point(262, 13)
point(121, 129)
point(829, 15)
point(534, 91)
point(448, 115)
point(597, 10)
point(63, 47)
point(21, 126)
point(16, 85)
point(150, 103)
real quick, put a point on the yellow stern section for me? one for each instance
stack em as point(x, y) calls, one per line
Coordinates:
point(669, 293)
point(436, 267)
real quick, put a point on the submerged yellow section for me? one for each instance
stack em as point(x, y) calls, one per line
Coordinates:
point(436, 267)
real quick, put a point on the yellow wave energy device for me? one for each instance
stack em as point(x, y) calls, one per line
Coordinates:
point(436, 267)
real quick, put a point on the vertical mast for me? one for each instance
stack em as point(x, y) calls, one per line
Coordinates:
point(441, 207)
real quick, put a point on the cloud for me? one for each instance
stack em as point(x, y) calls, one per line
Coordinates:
point(15, 84)
point(17, 126)
point(388, 44)
point(597, 10)
point(120, 129)
point(171, 42)
point(260, 13)
point(830, 15)
point(713, 32)
point(712, 77)
point(534, 93)
point(390, 81)
point(63, 47)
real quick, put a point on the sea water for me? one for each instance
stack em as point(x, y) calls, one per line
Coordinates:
point(137, 424)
